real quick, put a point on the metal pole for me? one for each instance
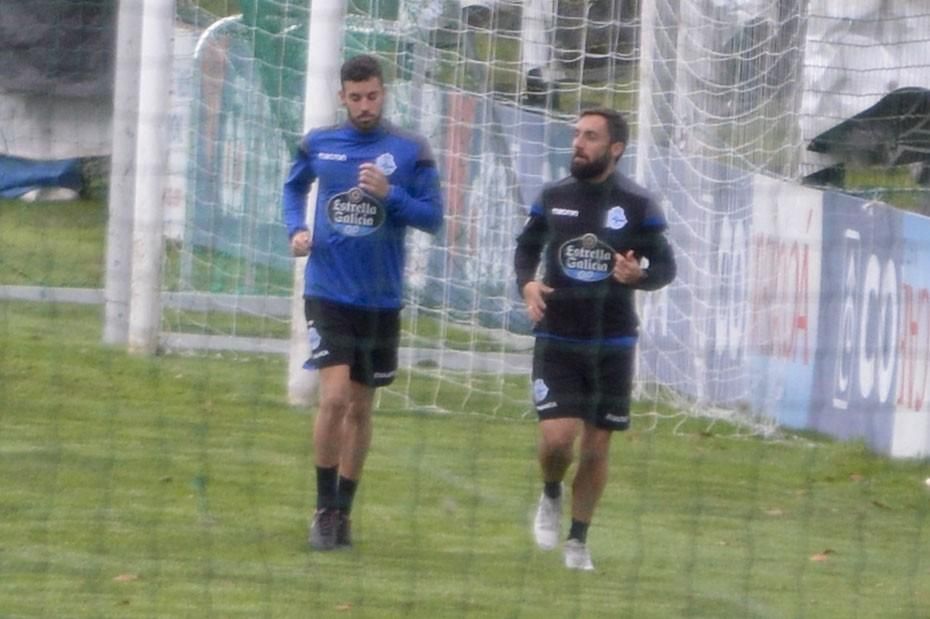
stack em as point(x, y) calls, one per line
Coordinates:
point(151, 166)
point(122, 173)
point(324, 57)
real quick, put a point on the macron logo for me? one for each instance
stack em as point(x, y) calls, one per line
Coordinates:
point(565, 212)
point(333, 157)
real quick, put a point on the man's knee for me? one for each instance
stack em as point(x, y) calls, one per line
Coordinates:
point(334, 405)
point(358, 413)
point(558, 436)
point(595, 445)
point(592, 455)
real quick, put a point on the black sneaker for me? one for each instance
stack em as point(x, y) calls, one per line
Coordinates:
point(324, 529)
point(344, 531)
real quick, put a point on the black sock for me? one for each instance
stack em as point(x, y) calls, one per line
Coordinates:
point(552, 489)
point(579, 531)
point(345, 493)
point(326, 487)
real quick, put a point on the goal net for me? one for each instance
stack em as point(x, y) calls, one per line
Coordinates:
point(718, 110)
point(483, 82)
point(495, 86)
point(724, 106)
point(741, 105)
point(181, 485)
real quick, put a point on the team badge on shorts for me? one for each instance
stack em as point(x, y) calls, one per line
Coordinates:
point(586, 258)
point(616, 218)
point(540, 390)
point(355, 213)
point(386, 163)
point(314, 337)
point(316, 342)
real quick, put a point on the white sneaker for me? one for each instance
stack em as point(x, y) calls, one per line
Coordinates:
point(547, 526)
point(577, 556)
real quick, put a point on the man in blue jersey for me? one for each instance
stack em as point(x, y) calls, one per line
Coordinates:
point(602, 238)
point(375, 181)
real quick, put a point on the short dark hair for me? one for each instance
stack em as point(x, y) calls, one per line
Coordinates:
point(361, 68)
point(616, 123)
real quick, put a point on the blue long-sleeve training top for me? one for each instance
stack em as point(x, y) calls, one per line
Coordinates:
point(357, 256)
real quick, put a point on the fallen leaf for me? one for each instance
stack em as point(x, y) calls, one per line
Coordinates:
point(126, 578)
point(822, 556)
point(774, 512)
point(345, 606)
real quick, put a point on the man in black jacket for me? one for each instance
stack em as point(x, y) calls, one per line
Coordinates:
point(601, 237)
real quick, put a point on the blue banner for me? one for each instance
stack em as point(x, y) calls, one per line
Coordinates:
point(855, 374)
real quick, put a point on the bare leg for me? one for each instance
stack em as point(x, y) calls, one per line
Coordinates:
point(334, 403)
point(329, 528)
point(591, 476)
point(556, 441)
point(356, 431)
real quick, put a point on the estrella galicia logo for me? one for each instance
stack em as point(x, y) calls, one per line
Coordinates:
point(586, 258)
point(355, 213)
point(386, 163)
point(540, 390)
point(616, 218)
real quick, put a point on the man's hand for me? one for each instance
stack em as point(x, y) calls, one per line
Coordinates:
point(534, 295)
point(373, 181)
point(300, 243)
point(627, 269)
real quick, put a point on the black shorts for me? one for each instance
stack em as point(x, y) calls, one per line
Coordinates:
point(590, 383)
point(364, 339)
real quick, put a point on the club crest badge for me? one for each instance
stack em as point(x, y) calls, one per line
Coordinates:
point(540, 390)
point(386, 163)
point(314, 337)
point(616, 218)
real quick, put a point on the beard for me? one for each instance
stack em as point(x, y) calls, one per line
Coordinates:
point(583, 169)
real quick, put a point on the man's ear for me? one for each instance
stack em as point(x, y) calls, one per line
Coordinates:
point(616, 149)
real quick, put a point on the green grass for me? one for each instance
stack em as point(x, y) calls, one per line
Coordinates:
point(52, 243)
point(181, 486)
point(215, 271)
point(218, 323)
point(892, 185)
point(219, 7)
